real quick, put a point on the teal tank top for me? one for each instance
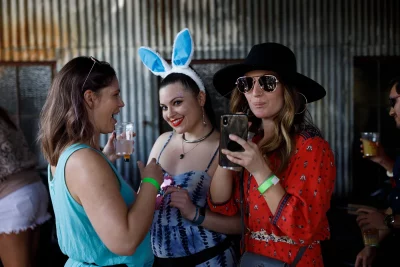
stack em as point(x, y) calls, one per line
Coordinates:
point(76, 236)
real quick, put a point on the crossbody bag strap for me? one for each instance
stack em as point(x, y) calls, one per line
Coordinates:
point(298, 256)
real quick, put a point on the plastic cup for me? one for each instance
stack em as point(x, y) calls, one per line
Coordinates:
point(371, 237)
point(370, 146)
point(124, 140)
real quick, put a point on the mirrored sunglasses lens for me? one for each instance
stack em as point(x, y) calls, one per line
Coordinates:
point(242, 84)
point(249, 82)
point(268, 83)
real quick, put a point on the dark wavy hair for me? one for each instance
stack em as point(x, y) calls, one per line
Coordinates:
point(395, 82)
point(64, 119)
point(189, 84)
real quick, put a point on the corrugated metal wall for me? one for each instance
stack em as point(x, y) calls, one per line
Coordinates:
point(324, 34)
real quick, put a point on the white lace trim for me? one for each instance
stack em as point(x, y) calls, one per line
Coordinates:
point(266, 237)
point(32, 226)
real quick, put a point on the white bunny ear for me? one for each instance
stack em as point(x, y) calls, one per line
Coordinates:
point(183, 49)
point(153, 61)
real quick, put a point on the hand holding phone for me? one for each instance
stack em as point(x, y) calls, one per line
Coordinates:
point(236, 124)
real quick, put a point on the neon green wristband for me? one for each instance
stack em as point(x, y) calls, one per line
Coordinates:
point(152, 181)
point(270, 181)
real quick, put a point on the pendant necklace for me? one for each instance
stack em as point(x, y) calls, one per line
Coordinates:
point(198, 141)
point(181, 156)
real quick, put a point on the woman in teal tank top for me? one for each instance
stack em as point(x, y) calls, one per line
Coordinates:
point(100, 220)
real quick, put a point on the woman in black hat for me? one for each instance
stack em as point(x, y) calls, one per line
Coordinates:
point(289, 171)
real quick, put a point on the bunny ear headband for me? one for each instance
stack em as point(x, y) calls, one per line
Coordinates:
point(182, 53)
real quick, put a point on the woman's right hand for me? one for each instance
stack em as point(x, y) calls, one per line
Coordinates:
point(152, 170)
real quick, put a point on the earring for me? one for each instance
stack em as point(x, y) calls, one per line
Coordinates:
point(204, 118)
point(305, 104)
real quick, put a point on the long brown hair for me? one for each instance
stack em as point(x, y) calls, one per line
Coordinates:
point(292, 119)
point(64, 119)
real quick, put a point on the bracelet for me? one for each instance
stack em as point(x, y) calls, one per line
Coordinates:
point(151, 181)
point(195, 216)
point(200, 219)
point(270, 181)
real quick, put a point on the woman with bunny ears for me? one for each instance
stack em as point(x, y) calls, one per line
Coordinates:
point(185, 232)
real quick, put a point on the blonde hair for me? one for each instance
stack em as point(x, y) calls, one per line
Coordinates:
point(289, 121)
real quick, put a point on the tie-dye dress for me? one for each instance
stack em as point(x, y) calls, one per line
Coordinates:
point(172, 235)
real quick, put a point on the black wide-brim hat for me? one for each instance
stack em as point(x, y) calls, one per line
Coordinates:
point(272, 57)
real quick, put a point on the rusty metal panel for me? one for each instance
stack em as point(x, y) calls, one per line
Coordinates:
point(325, 35)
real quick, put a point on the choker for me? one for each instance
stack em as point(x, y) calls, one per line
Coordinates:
point(198, 140)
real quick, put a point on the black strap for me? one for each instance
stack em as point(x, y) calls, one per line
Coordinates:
point(298, 256)
point(243, 246)
point(166, 143)
point(212, 159)
point(197, 258)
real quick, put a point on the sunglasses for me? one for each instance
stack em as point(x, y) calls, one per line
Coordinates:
point(90, 71)
point(267, 82)
point(392, 101)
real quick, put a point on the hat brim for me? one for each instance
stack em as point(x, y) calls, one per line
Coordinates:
point(224, 81)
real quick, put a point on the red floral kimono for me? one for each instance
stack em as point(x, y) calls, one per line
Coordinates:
point(300, 219)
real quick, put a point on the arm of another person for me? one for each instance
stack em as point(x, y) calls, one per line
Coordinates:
point(214, 221)
point(381, 158)
point(221, 187)
point(367, 255)
point(231, 206)
point(94, 185)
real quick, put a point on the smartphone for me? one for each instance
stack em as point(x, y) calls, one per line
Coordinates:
point(232, 124)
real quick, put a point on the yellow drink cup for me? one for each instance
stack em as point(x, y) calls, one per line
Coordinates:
point(369, 141)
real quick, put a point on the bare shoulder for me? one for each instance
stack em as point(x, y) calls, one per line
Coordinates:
point(158, 145)
point(85, 157)
point(87, 169)
point(163, 138)
point(214, 139)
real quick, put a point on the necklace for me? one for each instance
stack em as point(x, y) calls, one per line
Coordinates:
point(198, 140)
point(181, 156)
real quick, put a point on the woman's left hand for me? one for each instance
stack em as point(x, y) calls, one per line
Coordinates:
point(251, 158)
point(370, 219)
point(180, 199)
